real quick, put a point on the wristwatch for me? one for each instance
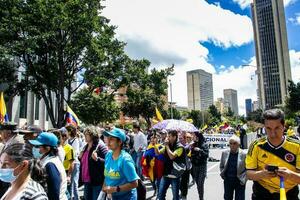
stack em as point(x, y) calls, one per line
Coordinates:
point(118, 189)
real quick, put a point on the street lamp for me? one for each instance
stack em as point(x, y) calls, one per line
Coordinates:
point(171, 104)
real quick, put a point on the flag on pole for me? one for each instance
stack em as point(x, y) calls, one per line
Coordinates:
point(3, 112)
point(71, 117)
point(158, 115)
point(282, 189)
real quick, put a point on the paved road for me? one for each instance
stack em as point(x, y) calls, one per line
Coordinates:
point(213, 188)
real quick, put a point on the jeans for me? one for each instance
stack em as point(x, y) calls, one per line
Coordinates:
point(138, 164)
point(199, 173)
point(233, 185)
point(164, 185)
point(131, 195)
point(91, 192)
point(184, 183)
point(74, 182)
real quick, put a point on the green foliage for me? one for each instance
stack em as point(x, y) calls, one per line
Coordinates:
point(289, 122)
point(215, 115)
point(94, 109)
point(229, 112)
point(146, 92)
point(55, 40)
point(293, 101)
point(255, 116)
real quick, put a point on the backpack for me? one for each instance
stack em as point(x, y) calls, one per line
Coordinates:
point(141, 190)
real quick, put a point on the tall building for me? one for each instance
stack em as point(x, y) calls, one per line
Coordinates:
point(220, 105)
point(199, 89)
point(255, 105)
point(272, 53)
point(230, 98)
point(248, 105)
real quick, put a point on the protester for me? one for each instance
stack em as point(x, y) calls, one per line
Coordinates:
point(30, 132)
point(92, 164)
point(45, 148)
point(73, 140)
point(233, 172)
point(242, 133)
point(121, 178)
point(60, 150)
point(272, 157)
point(185, 180)
point(199, 155)
point(140, 145)
point(9, 136)
point(23, 172)
point(174, 156)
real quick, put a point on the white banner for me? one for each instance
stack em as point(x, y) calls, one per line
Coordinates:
point(217, 138)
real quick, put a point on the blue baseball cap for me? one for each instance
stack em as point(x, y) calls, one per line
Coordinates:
point(116, 132)
point(45, 138)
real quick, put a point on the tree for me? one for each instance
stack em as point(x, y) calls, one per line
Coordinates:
point(146, 92)
point(93, 109)
point(293, 100)
point(255, 116)
point(54, 41)
point(229, 112)
point(167, 114)
point(215, 114)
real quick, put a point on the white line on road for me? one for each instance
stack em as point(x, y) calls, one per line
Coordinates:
point(212, 167)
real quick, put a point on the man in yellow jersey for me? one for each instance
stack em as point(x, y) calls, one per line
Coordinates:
point(273, 156)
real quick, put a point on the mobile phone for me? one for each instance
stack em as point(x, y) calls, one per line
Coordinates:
point(272, 168)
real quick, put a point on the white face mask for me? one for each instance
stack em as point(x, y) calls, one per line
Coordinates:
point(7, 175)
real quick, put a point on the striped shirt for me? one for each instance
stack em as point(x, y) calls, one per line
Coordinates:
point(32, 191)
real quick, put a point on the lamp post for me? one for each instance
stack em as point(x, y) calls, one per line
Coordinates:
point(171, 104)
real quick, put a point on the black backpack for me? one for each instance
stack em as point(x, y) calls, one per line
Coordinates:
point(141, 190)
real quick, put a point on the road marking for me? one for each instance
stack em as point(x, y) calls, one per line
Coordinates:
point(212, 167)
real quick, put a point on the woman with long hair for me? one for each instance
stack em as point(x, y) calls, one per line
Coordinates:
point(121, 178)
point(45, 149)
point(199, 155)
point(92, 164)
point(23, 172)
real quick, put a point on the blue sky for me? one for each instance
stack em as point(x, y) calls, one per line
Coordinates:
point(213, 35)
point(241, 55)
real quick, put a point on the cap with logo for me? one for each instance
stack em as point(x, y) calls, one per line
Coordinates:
point(45, 138)
point(117, 133)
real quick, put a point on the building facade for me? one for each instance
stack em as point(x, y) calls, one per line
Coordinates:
point(248, 106)
point(272, 53)
point(199, 90)
point(230, 99)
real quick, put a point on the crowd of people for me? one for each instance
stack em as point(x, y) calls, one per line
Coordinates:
point(112, 163)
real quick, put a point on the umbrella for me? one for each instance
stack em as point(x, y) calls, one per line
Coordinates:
point(173, 124)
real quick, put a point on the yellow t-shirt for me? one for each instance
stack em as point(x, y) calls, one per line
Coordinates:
point(262, 153)
point(69, 156)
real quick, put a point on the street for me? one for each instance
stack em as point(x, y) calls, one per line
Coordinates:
point(214, 188)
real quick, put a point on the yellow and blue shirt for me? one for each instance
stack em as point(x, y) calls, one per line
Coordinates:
point(262, 153)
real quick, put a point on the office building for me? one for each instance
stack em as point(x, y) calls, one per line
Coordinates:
point(272, 53)
point(199, 90)
point(230, 98)
point(220, 105)
point(248, 105)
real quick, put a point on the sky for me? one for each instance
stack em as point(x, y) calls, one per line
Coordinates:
point(213, 35)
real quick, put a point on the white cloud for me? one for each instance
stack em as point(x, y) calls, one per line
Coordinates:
point(169, 31)
point(246, 3)
point(297, 20)
point(295, 65)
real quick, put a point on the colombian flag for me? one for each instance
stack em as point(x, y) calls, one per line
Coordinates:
point(282, 189)
point(158, 115)
point(3, 113)
point(71, 117)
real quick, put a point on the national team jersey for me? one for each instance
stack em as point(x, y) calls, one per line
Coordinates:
point(119, 172)
point(262, 153)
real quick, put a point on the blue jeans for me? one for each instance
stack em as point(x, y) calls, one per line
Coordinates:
point(233, 185)
point(130, 195)
point(74, 182)
point(164, 185)
point(91, 192)
point(138, 164)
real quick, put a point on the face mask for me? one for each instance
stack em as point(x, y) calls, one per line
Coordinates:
point(36, 153)
point(7, 175)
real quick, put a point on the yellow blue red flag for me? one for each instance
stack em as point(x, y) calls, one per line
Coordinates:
point(71, 117)
point(3, 112)
point(158, 115)
point(282, 189)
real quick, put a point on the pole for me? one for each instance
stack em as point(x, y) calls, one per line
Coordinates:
point(171, 104)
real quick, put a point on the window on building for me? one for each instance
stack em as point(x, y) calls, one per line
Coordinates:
point(37, 109)
point(23, 106)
